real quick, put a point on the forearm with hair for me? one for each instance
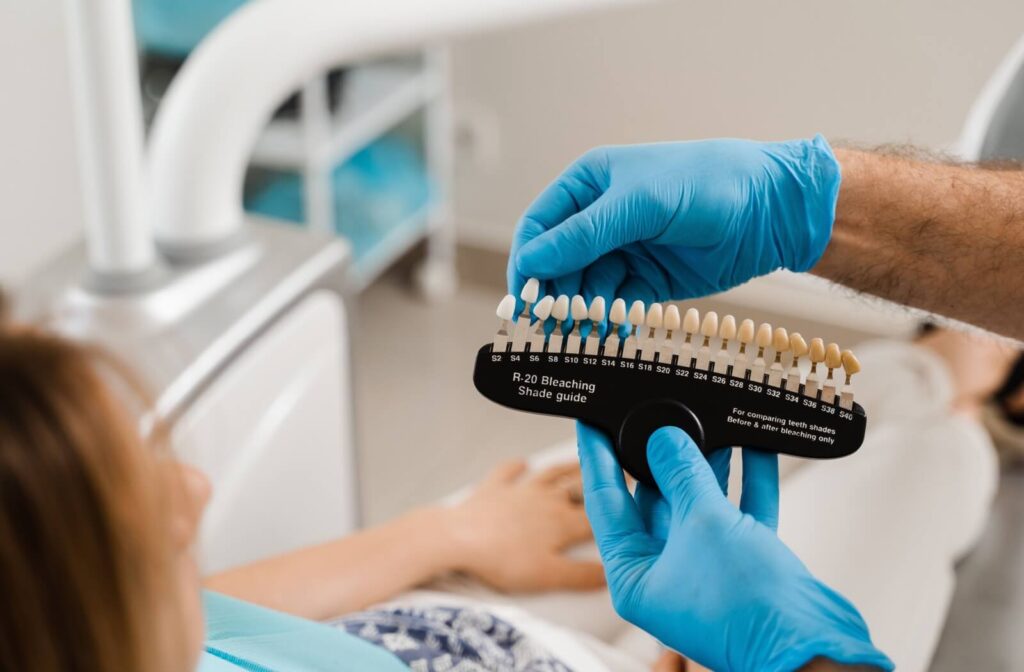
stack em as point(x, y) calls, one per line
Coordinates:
point(938, 236)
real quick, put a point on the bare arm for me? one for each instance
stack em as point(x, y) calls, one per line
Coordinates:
point(945, 238)
point(510, 533)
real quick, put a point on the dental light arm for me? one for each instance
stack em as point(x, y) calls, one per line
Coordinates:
point(210, 119)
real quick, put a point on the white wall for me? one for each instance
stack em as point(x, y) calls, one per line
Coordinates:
point(41, 209)
point(872, 71)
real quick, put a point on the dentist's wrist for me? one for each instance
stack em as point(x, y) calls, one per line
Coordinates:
point(816, 178)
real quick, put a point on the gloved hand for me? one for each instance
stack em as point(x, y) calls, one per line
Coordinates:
point(707, 579)
point(678, 220)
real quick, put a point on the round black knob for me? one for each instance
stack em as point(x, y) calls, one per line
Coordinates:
point(644, 420)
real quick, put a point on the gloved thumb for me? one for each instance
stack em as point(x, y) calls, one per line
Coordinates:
point(580, 240)
point(683, 475)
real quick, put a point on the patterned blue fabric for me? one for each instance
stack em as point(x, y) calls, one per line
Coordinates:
point(450, 639)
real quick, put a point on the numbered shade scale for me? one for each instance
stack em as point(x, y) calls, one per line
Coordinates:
point(629, 370)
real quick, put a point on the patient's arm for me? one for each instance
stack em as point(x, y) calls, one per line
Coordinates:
point(511, 533)
point(945, 238)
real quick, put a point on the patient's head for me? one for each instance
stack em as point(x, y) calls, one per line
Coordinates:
point(95, 526)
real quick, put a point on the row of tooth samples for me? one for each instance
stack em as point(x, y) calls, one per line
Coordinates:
point(651, 336)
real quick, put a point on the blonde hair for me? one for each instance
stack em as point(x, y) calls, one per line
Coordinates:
point(87, 561)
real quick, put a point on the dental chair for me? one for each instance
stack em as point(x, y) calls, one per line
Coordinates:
point(239, 325)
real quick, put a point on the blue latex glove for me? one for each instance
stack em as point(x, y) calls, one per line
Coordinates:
point(707, 579)
point(678, 220)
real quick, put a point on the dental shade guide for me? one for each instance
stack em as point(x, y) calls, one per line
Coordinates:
point(617, 318)
point(542, 311)
point(596, 315)
point(636, 321)
point(560, 312)
point(521, 332)
point(726, 332)
point(578, 312)
point(648, 386)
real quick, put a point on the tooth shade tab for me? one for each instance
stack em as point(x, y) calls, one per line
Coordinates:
point(560, 311)
point(530, 290)
point(507, 307)
point(728, 329)
point(655, 316)
point(780, 340)
point(833, 356)
point(746, 332)
point(691, 321)
point(709, 327)
point(850, 362)
point(543, 308)
point(798, 345)
point(672, 320)
point(636, 313)
point(817, 350)
point(579, 308)
point(596, 312)
point(618, 312)
point(764, 335)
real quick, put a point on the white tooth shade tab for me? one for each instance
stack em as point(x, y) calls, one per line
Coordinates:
point(543, 308)
point(507, 307)
point(652, 339)
point(579, 308)
point(560, 311)
point(672, 319)
point(530, 290)
point(636, 313)
point(618, 312)
point(655, 316)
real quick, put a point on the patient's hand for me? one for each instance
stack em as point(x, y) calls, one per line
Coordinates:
point(512, 531)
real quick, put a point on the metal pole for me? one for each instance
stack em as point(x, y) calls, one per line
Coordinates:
point(109, 132)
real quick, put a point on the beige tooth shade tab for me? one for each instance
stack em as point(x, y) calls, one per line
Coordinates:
point(851, 365)
point(596, 312)
point(617, 315)
point(709, 327)
point(560, 311)
point(817, 350)
point(636, 319)
point(780, 342)
point(764, 335)
point(727, 332)
point(798, 346)
point(636, 313)
point(672, 319)
point(507, 308)
point(745, 334)
point(833, 360)
point(596, 315)
point(655, 318)
point(691, 321)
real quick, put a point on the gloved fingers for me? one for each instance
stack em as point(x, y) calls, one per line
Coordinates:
point(760, 496)
point(654, 509)
point(721, 464)
point(683, 475)
point(570, 193)
point(612, 512)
